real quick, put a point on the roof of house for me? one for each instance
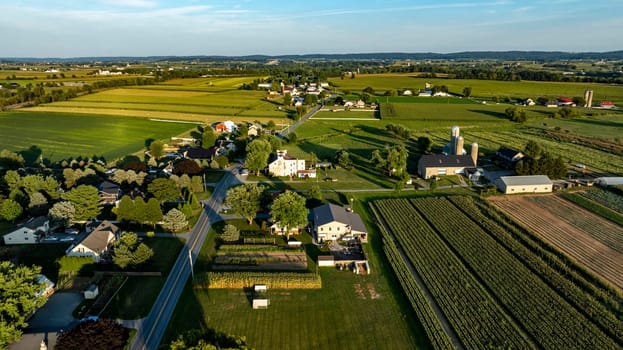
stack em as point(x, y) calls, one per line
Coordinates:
point(508, 153)
point(606, 103)
point(526, 180)
point(200, 153)
point(327, 213)
point(109, 187)
point(96, 241)
point(565, 99)
point(442, 160)
point(35, 223)
point(280, 154)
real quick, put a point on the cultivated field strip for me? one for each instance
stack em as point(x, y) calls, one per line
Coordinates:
point(605, 198)
point(593, 301)
point(549, 319)
point(475, 316)
point(440, 336)
point(594, 225)
point(596, 256)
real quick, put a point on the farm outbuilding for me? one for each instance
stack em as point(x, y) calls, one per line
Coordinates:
point(609, 181)
point(524, 184)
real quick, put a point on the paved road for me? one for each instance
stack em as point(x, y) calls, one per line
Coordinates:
point(152, 328)
point(300, 121)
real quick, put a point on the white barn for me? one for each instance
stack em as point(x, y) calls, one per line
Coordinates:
point(524, 184)
point(281, 164)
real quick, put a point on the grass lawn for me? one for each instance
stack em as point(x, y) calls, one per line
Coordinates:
point(331, 318)
point(137, 296)
point(64, 135)
point(608, 126)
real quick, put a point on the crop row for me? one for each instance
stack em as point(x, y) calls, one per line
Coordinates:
point(549, 319)
point(477, 319)
point(273, 280)
point(601, 230)
point(595, 207)
point(558, 276)
point(434, 331)
point(594, 255)
point(606, 198)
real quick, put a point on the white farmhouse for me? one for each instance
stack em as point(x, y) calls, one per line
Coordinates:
point(333, 222)
point(29, 233)
point(281, 164)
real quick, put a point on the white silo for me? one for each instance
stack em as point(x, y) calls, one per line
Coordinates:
point(474, 153)
point(459, 146)
point(454, 138)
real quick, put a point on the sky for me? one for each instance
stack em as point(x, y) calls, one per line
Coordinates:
point(87, 28)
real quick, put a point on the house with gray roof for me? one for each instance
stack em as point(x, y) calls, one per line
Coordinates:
point(29, 233)
point(334, 222)
point(442, 164)
point(96, 242)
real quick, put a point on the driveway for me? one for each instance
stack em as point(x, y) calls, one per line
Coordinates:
point(56, 313)
point(46, 323)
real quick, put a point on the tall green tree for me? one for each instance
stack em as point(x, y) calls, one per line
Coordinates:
point(245, 200)
point(18, 299)
point(516, 114)
point(208, 138)
point(153, 212)
point(289, 211)
point(258, 152)
point(156, 149)
point(13, 180)
point(174, 220)
point(10, 210)
point(230, 233)
point(467, 91)
point(424, 144)
point(392, 160)
point(125, 209)
point(128, 251)
point(86, 201)
point(164, 189)
point(62, 213)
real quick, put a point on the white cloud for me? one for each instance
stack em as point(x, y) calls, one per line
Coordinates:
point(131, 3)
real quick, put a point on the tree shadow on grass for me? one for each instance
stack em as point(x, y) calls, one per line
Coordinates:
point(499, 115)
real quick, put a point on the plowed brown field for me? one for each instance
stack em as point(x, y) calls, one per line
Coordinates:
point(586, 237)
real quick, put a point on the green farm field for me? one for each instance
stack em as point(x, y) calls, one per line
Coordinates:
point(63, 135)
point(482, 88)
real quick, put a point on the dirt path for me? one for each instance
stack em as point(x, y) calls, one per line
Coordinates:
point(566, 236)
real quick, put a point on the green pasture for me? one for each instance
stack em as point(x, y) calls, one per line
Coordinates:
point(353, 114)
point(481, 88)
point(188, 99)
point(604, 127)
point(64, 135)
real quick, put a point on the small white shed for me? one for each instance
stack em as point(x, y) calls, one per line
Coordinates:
point(260, 304)
point(91, 292)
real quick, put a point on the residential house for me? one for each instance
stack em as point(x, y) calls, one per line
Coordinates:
point(29, 233)
point(281, 164)
point(200, 153)
point(606, 104)
point(528, 102)
point(441, 164)
point(109, 192)
point(508, 156)
point(334, 222)
point(95, 243)
point(265, 85)
point(524, 184)
point(565, 102)
point(254, 130)
point(360, 104)
point(425, 93)
point(306, 174)
point(226, 126)
point(407, 92)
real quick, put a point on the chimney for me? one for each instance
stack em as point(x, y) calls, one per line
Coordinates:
point(474, 153)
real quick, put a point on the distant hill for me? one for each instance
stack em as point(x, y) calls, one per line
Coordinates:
point(466, 55)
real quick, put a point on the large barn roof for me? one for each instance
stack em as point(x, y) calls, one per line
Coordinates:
point(442, 160)
point(526, 180)
point(327, 213)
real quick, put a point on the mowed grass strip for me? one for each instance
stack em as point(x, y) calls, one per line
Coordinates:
point(64, 135)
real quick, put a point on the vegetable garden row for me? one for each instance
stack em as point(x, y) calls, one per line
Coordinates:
point(273, 280)
point(525, 296)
